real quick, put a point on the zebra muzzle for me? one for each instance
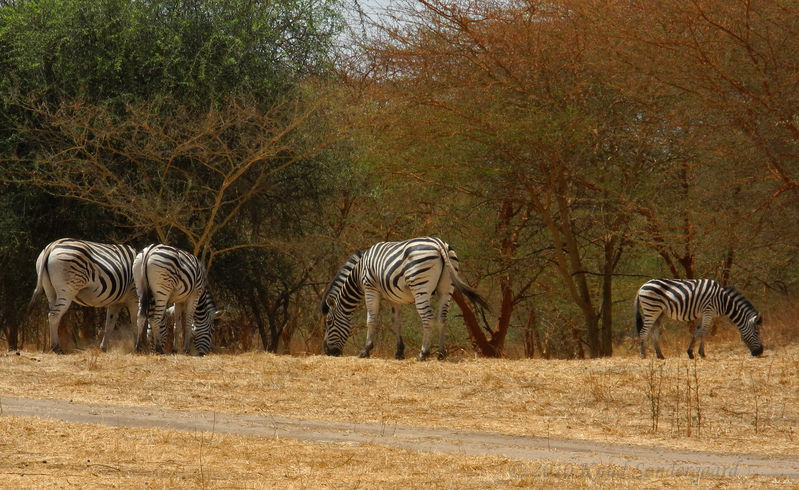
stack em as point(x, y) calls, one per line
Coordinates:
point(331, 351)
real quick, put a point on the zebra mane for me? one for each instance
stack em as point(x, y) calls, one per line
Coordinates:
point(332, 291)
point(739, 299)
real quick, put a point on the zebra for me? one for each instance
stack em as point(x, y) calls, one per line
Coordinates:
point(166, 275)
point(89, 274)
point(691, 299)
point(403, 272)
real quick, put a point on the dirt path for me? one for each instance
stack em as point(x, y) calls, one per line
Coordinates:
point(560, 455)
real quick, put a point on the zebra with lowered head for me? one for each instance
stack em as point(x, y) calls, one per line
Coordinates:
point(691, 299)
point(404, 272)
point(89, 274)
point(166, 275)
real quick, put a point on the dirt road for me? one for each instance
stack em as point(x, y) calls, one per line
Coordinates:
point(534, 455)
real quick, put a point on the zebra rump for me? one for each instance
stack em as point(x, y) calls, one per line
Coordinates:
point(89, 274)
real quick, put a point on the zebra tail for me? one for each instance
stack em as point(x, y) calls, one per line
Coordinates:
point(461, 285)
point(145, 299)
point(40, 277)
point(146, 294)
point(639, 321)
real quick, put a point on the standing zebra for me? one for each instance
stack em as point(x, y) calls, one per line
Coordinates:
point(689, 299)
point(90, 274)
point(401, 272)
point(166, 275)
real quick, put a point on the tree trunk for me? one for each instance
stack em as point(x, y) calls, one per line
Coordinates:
point(612, 253)
point(482, 345)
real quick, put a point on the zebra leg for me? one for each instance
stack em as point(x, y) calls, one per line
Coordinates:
point(111, 317)
point(372, 300)
point(54, 315)
point(157, 322)
point(701, 330)
point(142, 321)
point(400, 352)
point(442, 322)
point(643, 333)
point(643, 336)
point(690, 350)
point(654, 333)
point(642, 340)
point(426, 313)
point(133, 311)
point(182, 315)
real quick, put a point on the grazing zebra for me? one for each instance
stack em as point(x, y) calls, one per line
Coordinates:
point(90, 274)
point(401, 272)
point(691, 299)
point(166, 275)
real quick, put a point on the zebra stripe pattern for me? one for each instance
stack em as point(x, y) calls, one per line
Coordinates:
point(89, 274)
point(400, 272)
point(691, 299)
point(166, 275)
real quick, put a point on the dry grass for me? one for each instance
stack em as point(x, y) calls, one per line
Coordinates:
point(742, 401)
point(728, 402)
point(39, 453)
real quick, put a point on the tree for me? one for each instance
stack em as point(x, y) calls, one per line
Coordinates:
point(511, 93)
point(731, 77)
point(191, 123)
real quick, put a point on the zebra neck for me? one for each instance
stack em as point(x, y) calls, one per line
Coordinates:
point(351, 292)
point(735, 307)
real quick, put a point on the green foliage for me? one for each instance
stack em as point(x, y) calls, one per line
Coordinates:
point(195, 51)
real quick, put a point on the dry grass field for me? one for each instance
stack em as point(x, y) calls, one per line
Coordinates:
point(729, 403)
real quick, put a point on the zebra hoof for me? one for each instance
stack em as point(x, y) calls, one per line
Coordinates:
point(442, 354)
point(690, 354)
point(423, 356)
point(57, 350)
point(400, 353)
point(364, 354)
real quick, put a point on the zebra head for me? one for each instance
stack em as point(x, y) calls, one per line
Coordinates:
point(745, 317)
point(204, 317)
point(338, 325)
point(750, 334)
point(338, 302)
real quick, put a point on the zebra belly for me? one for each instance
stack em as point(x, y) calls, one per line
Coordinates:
point(95, 297)
point(402, 296)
